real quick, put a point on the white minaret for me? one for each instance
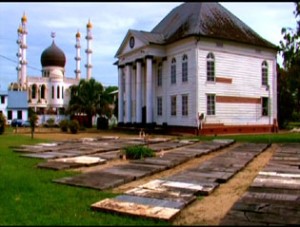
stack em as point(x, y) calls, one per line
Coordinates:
point(19, 54)
point(77, 58)
point(23, 47)
point(89, 51)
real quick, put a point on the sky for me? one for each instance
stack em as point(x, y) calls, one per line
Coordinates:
point(111, 22)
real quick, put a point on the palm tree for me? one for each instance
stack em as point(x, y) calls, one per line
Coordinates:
point(85, 98)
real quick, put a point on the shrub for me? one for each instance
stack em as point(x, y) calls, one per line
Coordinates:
point(50, 123)
point(2, 123)
point(74, 126)
point(138, 152)
point(63, 125)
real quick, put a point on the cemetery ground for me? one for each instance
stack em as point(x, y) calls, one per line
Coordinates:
point(29, 196)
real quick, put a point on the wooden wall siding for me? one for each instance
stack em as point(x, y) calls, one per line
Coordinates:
point(231, 99)
point(223, 80)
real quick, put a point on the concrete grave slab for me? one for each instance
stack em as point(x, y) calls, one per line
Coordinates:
point(147, 211)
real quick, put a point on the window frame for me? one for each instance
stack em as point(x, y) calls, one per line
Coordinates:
point(173, 71)
point(210, 104)
point(159, 75)
point(185, 105)
point(185, 68)
point(265, 107)
point(173, 105)
point(159, 106)
point(264, 73)
point(210, 67)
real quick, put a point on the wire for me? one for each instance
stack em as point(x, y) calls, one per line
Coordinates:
point(12, 60)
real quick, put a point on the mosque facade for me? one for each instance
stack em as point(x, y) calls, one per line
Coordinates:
point(48, 94)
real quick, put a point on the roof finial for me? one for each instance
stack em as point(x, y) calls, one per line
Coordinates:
point(53, 35)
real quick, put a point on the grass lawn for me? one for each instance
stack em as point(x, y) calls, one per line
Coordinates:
point(29, 197)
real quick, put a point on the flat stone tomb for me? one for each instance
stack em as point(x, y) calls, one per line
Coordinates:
point(72, 162)
point(180, 188)
point(133, 170)
point(273, 198)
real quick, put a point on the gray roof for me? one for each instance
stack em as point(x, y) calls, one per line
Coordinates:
point(209, 19)
point(3, 93)
point(17, 100)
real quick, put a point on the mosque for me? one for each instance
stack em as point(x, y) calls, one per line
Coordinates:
point(49, 93)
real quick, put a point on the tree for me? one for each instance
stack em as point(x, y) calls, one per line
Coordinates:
point(107, 100)
point(290, 79)
point(2, 123)
point(85, 98)
point(33, 121)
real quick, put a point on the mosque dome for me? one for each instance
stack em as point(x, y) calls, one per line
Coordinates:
point(53, 56)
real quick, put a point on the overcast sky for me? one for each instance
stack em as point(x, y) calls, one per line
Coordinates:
point(110, 21)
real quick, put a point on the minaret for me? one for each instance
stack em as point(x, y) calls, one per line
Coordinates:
point(77, 58)
point(89, 50)
point(23, 48)
point(19, 54)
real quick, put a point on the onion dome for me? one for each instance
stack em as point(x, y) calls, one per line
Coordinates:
point(89, 25)
point(53, 56)
point(77, 35)
point(24, 18)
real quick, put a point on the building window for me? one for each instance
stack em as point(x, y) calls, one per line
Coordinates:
point(52, 92)
point(173, 105)
point(159, 75)
point(173, 71)
point(19, 114)
point(265, 106)
point(264, 73)
point(2, 99)
point(57, 92)
point(9, 114)
point(184, 105)
point(159, 106)
point(33, 92)
point(43, 91)
point(210, 104)
point(210, 67)
point(184, 68)
point(62, 92)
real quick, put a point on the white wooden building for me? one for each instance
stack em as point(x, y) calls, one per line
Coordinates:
point(199, 59)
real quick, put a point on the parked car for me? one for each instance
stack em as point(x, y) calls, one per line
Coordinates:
point(26, 124)
point(17, 122)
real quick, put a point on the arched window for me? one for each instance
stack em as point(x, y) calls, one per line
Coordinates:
point(210, 67)
point(184, 68)
point(52, 92)
point(264, 73)
point(33, 91)
point(43, 90)
point(57, 92)
point(173, 71)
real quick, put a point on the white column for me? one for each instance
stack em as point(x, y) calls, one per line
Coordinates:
point(149, 106)
point(19, 54)
point(120, 96)
point(128, 70)
point(138, 91)
point(77, 58)
point(23, 47)
point(89, 51)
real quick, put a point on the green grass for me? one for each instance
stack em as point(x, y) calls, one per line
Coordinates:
point(29, 197)
point(257, 138)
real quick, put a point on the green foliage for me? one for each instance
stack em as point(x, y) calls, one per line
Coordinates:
point(85, 98)
point(29, 190)
point(33, 118)
point(138, 152)
point(63, 125)
point(74, 126)
point(2, 123)
point(50, 122)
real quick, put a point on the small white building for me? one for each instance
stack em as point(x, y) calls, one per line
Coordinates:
point(199, 59)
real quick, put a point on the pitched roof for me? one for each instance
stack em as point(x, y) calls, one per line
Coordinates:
point(3, 93)
point(209, 19)
point(17, 100)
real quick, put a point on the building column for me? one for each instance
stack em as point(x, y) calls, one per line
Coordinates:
point(139, 91)
point(149, 105)
point(120, 96)
point(128, 72)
